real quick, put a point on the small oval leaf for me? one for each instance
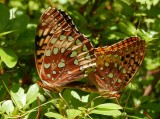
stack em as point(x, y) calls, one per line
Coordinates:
point(108, 106)
point(106, 112)
point(8, 57)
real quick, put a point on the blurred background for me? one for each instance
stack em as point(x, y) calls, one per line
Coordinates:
point(105, 22)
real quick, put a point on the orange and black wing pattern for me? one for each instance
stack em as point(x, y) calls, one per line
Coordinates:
point(117, 64)
point(62, 52)
point(63, 55)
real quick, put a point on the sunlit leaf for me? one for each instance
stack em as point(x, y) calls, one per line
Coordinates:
point(73, 113)
point(108, 106)
point(7, 106)
point(32, 94)
point(8, 56)
point(75, 95)
point(125, 29)
point(55, 115)
point(5, 33)
point(19, 98)
point(106, 112)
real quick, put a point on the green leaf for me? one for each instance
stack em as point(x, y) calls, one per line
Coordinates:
point(55, 115)
point(73, 113)
point(109, 109)
point(67, 95)
point(136, 117)
point(32, 94)
point(19, 98)
point(120, 35)
point(19, 23)
point(7, 106)
point(4, 17)
point(5, 33)
point(152, 106)
point(132, 28)
point(8, 57)
point(106, 112)
point(152, 63)
point(125, 29)
point(26, 40)
point(144, 35)
point(76, 15)
point(75, 95)
point(85, 98)
point(109, 106)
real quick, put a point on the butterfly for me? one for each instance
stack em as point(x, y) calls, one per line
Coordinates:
point(63, 56)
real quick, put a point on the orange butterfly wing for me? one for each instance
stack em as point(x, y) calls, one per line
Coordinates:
point(117, 64)
point(62, 52)
point(64, 55)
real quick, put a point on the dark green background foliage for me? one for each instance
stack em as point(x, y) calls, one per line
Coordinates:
point(105, 22)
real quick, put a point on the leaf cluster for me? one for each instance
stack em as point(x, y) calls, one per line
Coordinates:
point(105, 23)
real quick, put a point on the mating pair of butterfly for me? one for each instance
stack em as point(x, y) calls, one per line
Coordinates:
point(64, 56)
